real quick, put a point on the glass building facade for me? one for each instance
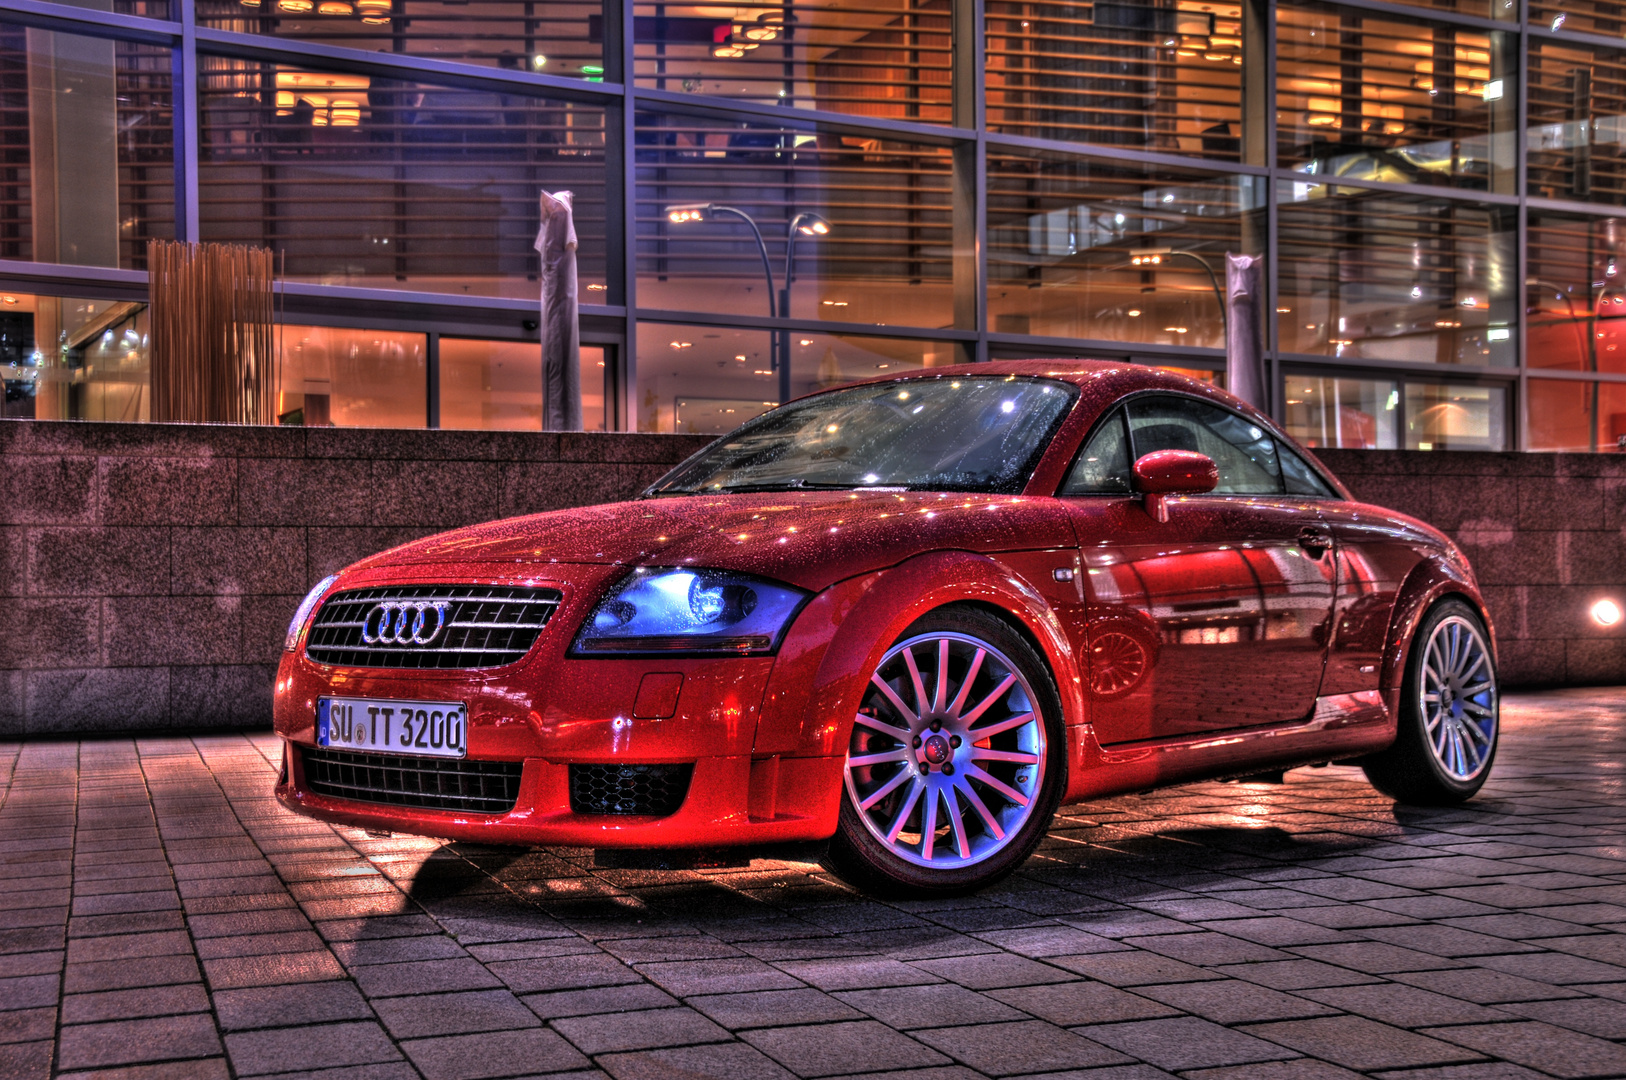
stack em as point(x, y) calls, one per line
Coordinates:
point(1437, 189)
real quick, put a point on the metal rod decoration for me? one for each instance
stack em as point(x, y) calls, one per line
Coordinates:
point(213, 358)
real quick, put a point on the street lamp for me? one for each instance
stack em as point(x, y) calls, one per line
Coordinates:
point(1149, 257)
point(805, 223)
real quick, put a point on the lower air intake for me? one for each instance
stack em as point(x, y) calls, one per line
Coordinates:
point(652, 790)
point(487, 787)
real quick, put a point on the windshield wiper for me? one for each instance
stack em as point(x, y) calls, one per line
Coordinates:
point(778, 485)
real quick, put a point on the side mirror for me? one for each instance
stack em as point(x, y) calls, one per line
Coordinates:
point(1173, 472)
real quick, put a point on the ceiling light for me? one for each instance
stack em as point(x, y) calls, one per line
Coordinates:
point(1606, 613)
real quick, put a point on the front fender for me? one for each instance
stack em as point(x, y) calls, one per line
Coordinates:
point(1428, 582)
point(837, 642)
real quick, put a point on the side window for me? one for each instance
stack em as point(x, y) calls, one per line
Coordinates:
point(1244, 452)
point(1301, 478)
point(1103, 467)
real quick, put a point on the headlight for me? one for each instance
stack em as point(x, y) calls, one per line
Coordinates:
point(690, 611)
point(306, 606)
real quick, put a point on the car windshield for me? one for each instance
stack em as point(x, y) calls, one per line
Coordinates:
point(970, 433)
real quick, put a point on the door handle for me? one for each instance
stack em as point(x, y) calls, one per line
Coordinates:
point(1317, 542)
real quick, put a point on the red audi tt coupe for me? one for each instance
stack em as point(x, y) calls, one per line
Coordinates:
point(893, 626)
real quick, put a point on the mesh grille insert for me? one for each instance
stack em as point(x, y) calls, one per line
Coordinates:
point(655, 790)
point(486, 626)
point(490, 787)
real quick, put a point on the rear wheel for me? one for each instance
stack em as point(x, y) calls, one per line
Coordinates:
point(1449, 713)
point(955, 763)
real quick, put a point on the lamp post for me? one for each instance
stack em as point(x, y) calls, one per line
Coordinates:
point(805, 223)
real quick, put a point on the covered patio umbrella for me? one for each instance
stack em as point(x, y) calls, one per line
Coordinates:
point(1244, 351)
point(560, 323)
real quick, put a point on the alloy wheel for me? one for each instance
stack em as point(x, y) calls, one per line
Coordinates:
point(1457, 698)
point(947, 754)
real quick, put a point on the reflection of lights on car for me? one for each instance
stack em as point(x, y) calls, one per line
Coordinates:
point(1606, 613)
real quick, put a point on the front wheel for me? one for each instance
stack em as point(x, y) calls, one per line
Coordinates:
point(1449, 713)
point(955, 763)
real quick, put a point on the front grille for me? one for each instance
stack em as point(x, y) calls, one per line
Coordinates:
point(486, 626)
point(487, 787)
point(655, 790)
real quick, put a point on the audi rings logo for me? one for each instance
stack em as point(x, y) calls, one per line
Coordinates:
point(404, 622)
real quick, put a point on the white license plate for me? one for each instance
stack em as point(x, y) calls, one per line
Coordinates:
point(424, 728)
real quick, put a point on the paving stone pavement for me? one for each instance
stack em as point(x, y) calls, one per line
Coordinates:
point(161, 917)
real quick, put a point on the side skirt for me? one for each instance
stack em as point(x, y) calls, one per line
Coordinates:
point(1342, 726)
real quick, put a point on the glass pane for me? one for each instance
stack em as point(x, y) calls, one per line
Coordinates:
point(1345, 414)
point(1443, 416)
point(550, 37)
point(1577, 415)
point(391, 185)
point(497, 385)
point(1103, 465)
point(1370, 275)
point(820, 361)
point(97, 368)
point(1132, 74)
point(1378, 98)
point(712, 378)
point(1298, 478)
point(883, 58)
point(1212, 378)
point(702, 379)
point(886, 255)
point(1085, 249)
point(1586, 16)
point(353, 378)
point(1575, 295)
point(596, 382)
point(1577, 122)
point(1244, 452)
point(87, 168)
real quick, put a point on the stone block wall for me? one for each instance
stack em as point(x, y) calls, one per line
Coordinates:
point(148, 571)
point(1547, 537)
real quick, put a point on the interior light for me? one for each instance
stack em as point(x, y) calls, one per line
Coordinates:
point(539, 61)
point(1134, 313)
point(682, 344)
point(1606, 613)
point(1498, 333)
point(8, 299)
point(592, 69)
point(296, 7)
point(335, 7)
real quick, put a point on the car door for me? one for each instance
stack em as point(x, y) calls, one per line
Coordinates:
point(1217, 618)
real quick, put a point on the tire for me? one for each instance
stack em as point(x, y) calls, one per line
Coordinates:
point(947, 788)
point(1449, 713)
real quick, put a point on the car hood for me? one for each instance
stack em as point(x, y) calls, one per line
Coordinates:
point(810, 539)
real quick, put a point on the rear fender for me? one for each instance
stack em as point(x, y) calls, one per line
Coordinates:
point(838, 641)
